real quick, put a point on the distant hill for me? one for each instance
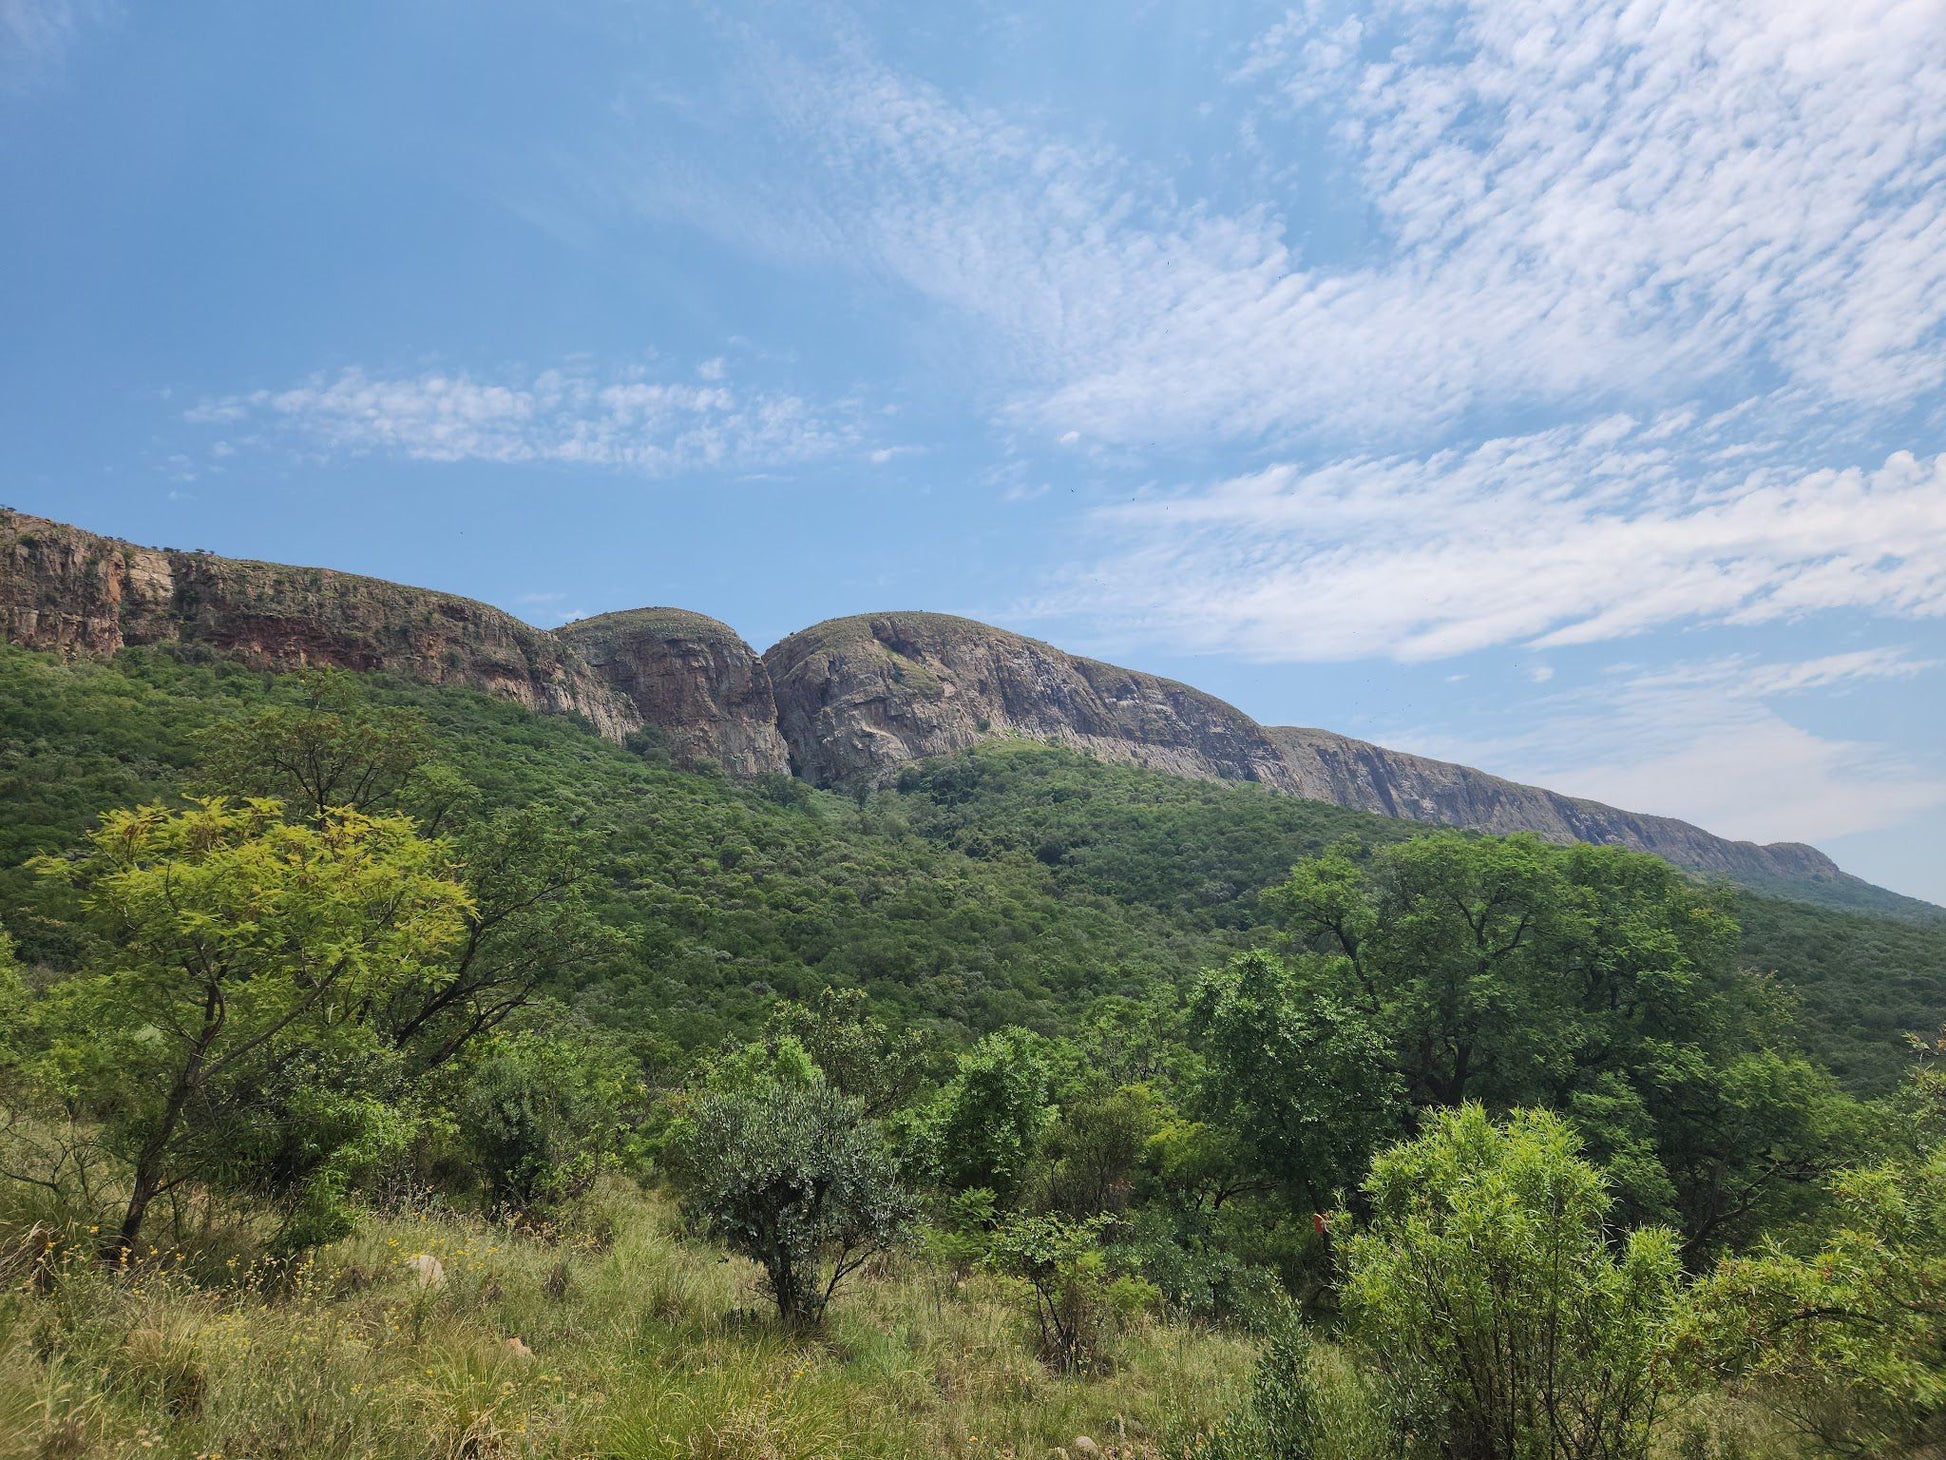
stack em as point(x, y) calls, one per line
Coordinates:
point(847, 702)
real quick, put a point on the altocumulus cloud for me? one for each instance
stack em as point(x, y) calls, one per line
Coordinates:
point(564, 415)
point(1568, 536)
point(1624, 201)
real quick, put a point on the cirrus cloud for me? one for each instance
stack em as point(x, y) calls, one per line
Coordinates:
point(1573, 535)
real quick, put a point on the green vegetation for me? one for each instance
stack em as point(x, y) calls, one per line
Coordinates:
point(386, 1071)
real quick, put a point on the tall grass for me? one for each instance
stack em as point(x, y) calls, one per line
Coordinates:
point(632, 1343)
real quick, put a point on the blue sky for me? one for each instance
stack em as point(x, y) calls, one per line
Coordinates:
point(1557, 388)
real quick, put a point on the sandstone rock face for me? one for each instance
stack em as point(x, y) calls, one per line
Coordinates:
point(1368, 777)
point(65, 589)
point(692, 677)
point(859, 697)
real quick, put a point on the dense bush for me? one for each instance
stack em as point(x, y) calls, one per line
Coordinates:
point(792, 1175)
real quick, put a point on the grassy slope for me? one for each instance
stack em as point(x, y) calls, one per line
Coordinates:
point(1012, 883)
point(639, 1349)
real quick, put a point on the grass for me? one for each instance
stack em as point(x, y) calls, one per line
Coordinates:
point(638, 1344)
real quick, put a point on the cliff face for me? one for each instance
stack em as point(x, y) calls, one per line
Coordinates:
point(1353, 773)
point(849, 700)
point(62, 588)
point(692, 677)
point(859, 697)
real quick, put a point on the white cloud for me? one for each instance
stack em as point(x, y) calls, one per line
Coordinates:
point(1706, 742)
point(571, 416)
point(1622, 200)
point(1568, 536)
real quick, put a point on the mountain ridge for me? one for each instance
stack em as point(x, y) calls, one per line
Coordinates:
point(846, 701)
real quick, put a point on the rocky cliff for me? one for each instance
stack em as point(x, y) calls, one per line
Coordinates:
point(859, 697)
point(843, 702)
point(693, 678)
point(1354, 773)
point(69, 590)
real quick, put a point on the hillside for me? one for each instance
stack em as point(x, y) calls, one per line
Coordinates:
point(1010, 883)
point(845, 703)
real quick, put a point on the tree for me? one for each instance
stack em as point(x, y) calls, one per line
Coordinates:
point(332, 748)
point(1076, 1294)
point(1587, 980)
point(1297, 1071)
point(792, 1175)
point(228, 948)
point(1849, 1341)
point(1485, 1295)
point(987, 1123)
point(859, 1054)
point(528, 926)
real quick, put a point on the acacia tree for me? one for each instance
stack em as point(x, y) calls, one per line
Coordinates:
point(528, 870)
point(228, 948)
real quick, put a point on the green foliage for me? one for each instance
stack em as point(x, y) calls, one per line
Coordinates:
point(1583, 979)
point(986, 1125)
point(1297, 1071)
point(792, 1175)
point(1485, 1297)
point(938, 901)
point(1078, 1297)
point(1849, 1340)
point(235, 957)
point(543, 1115)
point(331, 748)
point(1096, 1149)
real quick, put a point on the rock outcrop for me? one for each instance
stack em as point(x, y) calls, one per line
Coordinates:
point(847, 701)
point(69, 590)
point(859, 697)
point(693, 678)
point(1368, 777)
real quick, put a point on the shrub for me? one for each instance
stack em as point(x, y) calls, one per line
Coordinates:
point(1485, 1296)
point(1078, 1298)
point(793, 1176)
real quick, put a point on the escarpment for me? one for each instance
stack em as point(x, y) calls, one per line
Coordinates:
point(1368, 777)
point(859, 697)
point(694, 679)
point(845, 702)
point(65, 589)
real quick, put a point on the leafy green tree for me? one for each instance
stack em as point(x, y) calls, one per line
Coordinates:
point(227, 948)
point(1486, 1297)
point(791, 1174)
point(543, 1115)
point(1097, 1147)
point(331, 747)
point(1848, 1341)
point(858, 1052)
point(1297, 1071)
point(987, 1123)
point(1587, 980)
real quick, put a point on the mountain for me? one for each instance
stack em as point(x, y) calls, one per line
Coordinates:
point(846, 702)
point(694, 679)
point(72, 591)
